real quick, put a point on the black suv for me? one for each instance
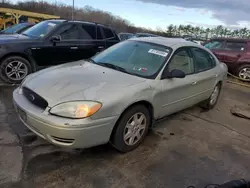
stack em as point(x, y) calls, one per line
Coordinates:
point(49, 43)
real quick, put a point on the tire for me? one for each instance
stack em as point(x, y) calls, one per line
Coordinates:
point(17, 67)
point(212, 100)
point(117, 139)
point(241, 70)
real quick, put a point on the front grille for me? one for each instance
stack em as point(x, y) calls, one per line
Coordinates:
point(34, 98)
point(63, 140)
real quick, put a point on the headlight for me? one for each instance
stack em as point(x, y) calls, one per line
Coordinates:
point(76, 109)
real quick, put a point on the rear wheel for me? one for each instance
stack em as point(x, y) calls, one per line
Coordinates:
point(244, 72)
point(131, 128)
point(14, 69)
point(213, 99)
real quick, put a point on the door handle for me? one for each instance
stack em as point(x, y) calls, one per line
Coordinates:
point(100, 47)
point(74, 48)
point(193, 83)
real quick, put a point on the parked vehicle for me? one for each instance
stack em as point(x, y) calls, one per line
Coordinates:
point(125, 36)
point(235, 53)
point(17, 28)
point(117, 94)
point(51, 43)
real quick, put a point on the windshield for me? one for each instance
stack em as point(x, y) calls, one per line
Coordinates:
point(135, 57)
point(14, 28)
point(41, 29)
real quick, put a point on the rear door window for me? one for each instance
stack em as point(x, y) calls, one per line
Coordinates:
point(235, 46)
point(88, 31)
point(68, 32)
point(203, 60)
point(108, 33)
point(99, 33)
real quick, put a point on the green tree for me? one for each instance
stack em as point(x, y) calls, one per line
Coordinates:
point(170, 30)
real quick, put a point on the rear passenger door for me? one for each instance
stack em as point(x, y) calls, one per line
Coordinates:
point(233, 52)
point(64, 50)
point(88, 43)
point(110, 36)
point(206, 73)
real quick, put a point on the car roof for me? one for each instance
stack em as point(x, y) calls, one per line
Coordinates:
point(230, 39)
point(174, 43)
point(126, 33)
point(56, 20)
point(86, 22)
point(78, 21)
point(144, 34)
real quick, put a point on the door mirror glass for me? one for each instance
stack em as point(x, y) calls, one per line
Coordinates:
point(177, 74)
point(173, 74)
point(55, 38)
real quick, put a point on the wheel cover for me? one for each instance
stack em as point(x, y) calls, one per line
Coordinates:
point(134, 129)
point(214, 95)
point(16, 70)
point(245, 74)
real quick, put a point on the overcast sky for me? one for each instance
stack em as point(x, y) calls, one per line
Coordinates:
point(160, 13)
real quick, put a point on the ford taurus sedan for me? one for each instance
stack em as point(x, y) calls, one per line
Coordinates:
point(119, 93)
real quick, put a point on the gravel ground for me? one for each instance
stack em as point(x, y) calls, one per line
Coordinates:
point(194, 147)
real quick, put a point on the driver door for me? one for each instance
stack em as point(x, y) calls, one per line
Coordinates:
point(179, 93)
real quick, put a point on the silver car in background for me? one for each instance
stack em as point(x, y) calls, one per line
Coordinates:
point(117, 95)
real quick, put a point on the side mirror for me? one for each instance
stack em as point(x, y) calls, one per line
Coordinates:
point(174, 74)
point(177, 74)
point(55, 38)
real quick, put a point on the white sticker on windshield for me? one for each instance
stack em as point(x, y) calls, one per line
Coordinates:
point(158, 52)
point(51, 24)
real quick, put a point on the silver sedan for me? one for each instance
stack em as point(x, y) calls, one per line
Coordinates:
point(118, 94)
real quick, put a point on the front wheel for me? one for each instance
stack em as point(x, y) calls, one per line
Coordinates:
point(14, 69)
point(131, 129)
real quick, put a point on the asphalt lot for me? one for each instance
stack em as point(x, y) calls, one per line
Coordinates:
point(194, 147)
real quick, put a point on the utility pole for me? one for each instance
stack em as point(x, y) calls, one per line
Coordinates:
point(55, 7)
point(73, 10)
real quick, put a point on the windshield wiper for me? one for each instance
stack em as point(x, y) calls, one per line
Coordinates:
point(24, 34)
point(90, 60)
point(115, 67)
point(112, 66)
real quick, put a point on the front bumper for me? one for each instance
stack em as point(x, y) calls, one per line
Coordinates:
point(60, 131)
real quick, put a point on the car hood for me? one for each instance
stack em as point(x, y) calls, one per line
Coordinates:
point(17, 38)
point(80, 80)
